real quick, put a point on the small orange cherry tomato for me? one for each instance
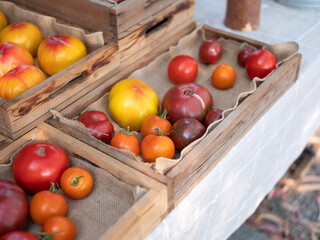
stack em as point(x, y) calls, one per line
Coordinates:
point(150, 124)
point(154, 146)
point(126, 140)
point(76, 182)
point(223, 77)
point(59, 228)
point(46, 204)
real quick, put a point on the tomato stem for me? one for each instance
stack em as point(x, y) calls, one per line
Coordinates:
point(53, 187)
point(127, 132)
point(164, 114)
point(159, 132)
point(75, 181)
point(48, 236)
point(41, 152)
point(1, 52)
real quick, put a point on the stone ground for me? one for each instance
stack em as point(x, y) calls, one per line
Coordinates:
point(291, 211)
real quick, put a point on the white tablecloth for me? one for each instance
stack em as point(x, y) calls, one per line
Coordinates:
point(232, 191)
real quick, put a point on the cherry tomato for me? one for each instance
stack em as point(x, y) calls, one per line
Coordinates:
point(126, 140)
point(3, 21)
point(243, 55)
point(260, 63)
point(59, 228)
point(46, 204)
point(155, 146)
point(76, 182)
point(182, 69)
point(210, 51)
point(212, 116)
point(150, 124)
point(223, 77)
point(18, 235)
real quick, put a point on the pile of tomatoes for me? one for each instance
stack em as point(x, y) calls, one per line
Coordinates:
point(20, 43)
point(38, 168)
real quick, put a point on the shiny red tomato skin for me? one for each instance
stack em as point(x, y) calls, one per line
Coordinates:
point(260, 63)
point(13, 207)
point(243, 55)
point(18, 235)
point(98, 124)
point(183, 69)
point(185, 131)
point(210, 51)
point(212, 116)
point(37, 165)
point(183, 101)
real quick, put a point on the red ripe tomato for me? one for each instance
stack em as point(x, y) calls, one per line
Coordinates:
point(150, 124)
point(243, 55)
point(98, 124)
point(185, 131)
point(37, 165)
point(18, 235)
point(11, 56)
point(182, 69)
point(212, 116)
point(126, 140)
point(260, 63)
point(210, 51)
point(13, 207)
point(19, 80)
point(187, 100)
point(59, 228)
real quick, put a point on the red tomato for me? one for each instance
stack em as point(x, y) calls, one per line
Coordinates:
point(185, 131)
point(260, 63)
point(37, 165)
point(76, 182)
point(24, 34)
point(60, 228)
point(210, 51)
point(155, 146)
point(212, 116)
point(98, 124)
point(46, 204)
point(11, 56)
point(13, 207)
point(150, 124)
point(182, 69)
point(58, 52)
point(18, 235)
point(19, 80)
point(126, 140)
point(187, 100)
point(243, 55)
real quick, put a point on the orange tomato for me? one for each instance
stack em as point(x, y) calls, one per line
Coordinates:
point(24, 34)
point(46, 204)
point(19, 80)
point(76, 182)
point(150, 124)
point(59, 228)
point(223, 77)
point(3, 21)
point(126, 140)
point(154, 146)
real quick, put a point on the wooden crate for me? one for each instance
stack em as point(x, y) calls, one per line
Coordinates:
point(142, 217)
point(181, 178)
point(27, 110)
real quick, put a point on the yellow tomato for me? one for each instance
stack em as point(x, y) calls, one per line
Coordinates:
point(3, 21)
point(19, 80)
point(24, 34)
point(58, 52)
point(131, 101)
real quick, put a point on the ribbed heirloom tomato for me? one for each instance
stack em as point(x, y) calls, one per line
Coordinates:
point(59, 228)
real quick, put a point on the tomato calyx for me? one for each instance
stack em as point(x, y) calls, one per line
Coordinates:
point(53, 188)
point(127, 131)
point(41, 152)
point(164, 114)
point(48, 236)
point(189, 92)
point(75, 180)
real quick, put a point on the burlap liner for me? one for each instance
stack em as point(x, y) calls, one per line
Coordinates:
point(94, 214)
point(155, 75)
point(49, 26)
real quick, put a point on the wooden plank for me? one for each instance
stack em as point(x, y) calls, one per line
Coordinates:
point(4, 141)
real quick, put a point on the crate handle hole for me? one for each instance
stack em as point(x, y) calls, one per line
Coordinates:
point(158, 26)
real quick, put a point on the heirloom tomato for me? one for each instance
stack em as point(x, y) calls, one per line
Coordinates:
point(60, 51)
point(150, 124)
point(187, 100)
point(24, 34)
point(18, 235)
point(19, 80)
point(76, 182)
point(13, 207)
point(260, 63)
point(126, 140)
point(46, 204)
point(186, 130)
point(131, 101)
point(155, 146)
point(223, 77)
point(38, 164)
point(243, 55)
point(12, 55)
point(98, 124)
point(212, 116)
point(183, 69)
point(59, 228)
point(210, 51)
point(3, 21)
